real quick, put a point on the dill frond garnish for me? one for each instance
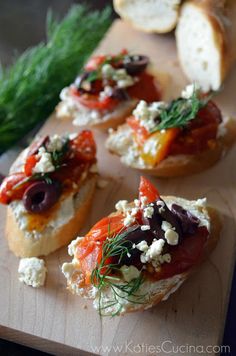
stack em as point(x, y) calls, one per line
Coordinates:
point(180, 111)
point(106, 276)
point(30, 89)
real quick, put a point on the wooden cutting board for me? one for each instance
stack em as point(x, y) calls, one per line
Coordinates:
point(53, 320)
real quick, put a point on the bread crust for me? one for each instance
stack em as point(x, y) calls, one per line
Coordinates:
point(185, 165)
point(119, 8)
point(221, 17)
point(24, 246)
point(171, 284)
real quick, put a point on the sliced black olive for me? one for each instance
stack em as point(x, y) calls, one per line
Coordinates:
point(119, 94)
point(134, 236)
point(188, 221)
point(135, 64)
point(40, 196)
point(162, 213)
point(35, 145)
point(1, 178)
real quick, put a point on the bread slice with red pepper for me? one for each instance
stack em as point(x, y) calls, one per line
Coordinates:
point(183, 137)
point(108, 89)
point(136, 257)
point(49, 192)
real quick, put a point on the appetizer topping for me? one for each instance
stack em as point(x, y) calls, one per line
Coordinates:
point(187, 125)
point(108, 80)
point(54, 165)
point(32, 271)
point(41, 196)
point(44, 163)
point(160, 241)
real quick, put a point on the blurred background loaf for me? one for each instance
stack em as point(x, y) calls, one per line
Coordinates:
point(205, 33)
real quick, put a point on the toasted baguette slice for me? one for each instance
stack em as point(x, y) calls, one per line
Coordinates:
point(154, 291)
point(82, 116)
point(25, 243)
point(206, 36)
point(121, 143)
point(149, 15)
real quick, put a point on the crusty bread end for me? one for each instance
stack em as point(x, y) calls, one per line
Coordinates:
point(149, 15)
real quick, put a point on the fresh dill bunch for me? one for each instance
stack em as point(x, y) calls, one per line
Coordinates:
point(106, 275)
point(30, 89)
point(180, 111)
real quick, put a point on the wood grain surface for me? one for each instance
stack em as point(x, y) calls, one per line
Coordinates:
point(53, 320)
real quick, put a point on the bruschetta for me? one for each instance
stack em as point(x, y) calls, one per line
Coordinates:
point(139, 255)
point(179, 138)
point(48, 193)
point(108, 89)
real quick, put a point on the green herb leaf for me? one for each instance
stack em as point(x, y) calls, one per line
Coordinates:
point(30, 89)
point(181, 111)
point(103, 277)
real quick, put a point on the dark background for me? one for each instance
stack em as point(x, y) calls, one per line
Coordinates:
point(22, 24)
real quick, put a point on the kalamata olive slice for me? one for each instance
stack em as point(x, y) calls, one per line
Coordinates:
point(119, 94)
point(162, 213)
point(40, 196)
point(135, 64)
point(188, 221)
point(134, 236)
point(35, 145)
point(1, 178)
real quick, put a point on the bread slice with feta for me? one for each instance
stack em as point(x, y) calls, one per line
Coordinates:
point(122, 144)
point(30, 236)
point(149, 15)
point(154, 291)
point(205, 36)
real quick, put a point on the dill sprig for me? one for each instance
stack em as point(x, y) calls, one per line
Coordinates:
point(180, 111)
point(29, 90)
point(106, 275)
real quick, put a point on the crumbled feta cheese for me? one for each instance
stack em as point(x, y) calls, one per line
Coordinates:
point(44, 165)
point(150, 146)
point(55, 143)
point(165, 225)
point(107, 71)
point(145, 227)
point(106, 93)
point(201, 202)
point(129, 272)
point(137, 202)
point(155, 248)
point(73, 244)
point(147, 114)
point(142, 246)
point(171, 237)
point(128, 220)
point(143, 200)
point(161, 206)
point(134, 211)
point(122, 206)
point(189, 90)
point(148, 212)
point(32, 271)
point(122, 78)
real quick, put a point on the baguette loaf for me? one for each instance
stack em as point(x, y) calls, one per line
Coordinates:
point(154, 291)
point(149, 15)
point(206, 35)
